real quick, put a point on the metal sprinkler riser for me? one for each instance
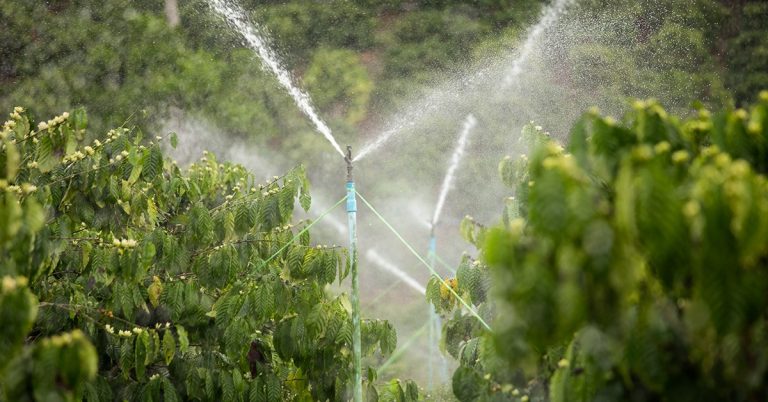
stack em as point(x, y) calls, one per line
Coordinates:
point(348, 159)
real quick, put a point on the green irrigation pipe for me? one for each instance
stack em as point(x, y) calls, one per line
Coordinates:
point(303, 230)
point(356, 330)
point(407, 245)
point(402, 349)
point(432, 311)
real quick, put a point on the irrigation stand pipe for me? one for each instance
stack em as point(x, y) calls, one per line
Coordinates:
point(353, 260)
point(432, 314)
point(435, 323)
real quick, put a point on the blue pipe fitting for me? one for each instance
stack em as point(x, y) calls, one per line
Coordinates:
point(351, 198)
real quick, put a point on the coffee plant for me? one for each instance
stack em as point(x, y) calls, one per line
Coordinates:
point(125, 277)
point(632, 265)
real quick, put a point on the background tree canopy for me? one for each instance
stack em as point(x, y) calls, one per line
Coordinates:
point(117, 58)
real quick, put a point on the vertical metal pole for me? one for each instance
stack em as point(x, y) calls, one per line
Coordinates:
point(436, 324)
point(433, 334)
point(352, 222)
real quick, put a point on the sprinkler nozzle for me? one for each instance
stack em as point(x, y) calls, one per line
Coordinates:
point(348, 159)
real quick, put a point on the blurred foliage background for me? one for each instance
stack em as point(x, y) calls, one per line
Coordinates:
point(358, 59)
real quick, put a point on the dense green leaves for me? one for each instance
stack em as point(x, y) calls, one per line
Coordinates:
point(633, 265)
point(630, 264)
point(154, 283)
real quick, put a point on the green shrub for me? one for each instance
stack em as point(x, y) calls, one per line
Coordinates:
point(124, 277)
point(632, 265)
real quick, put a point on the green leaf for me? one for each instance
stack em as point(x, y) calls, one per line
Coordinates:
point(169, 391)
point(371, 395)
point(141, 353)
point(305, 201)
point(183, 339)
point(169, 347)
point(44, 157)
point(273, 387)
point(136, 170)
point(227, 387)
point(388, 340)
point(80, 119)
point(127, 357)
point(256, 391)
point(174, 140)
point(229, 226)
point(12, 160)
point(153, 165)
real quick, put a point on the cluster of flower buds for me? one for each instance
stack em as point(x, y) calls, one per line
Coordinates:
point(680, 156)
point(124, 243)
point(80, 155)
point(7, 127)
point(662, 147)
point(50, 124)
point(11, 124)
point(284, 228)
point(160, 325)
point(124, 333)
point(23, 189)
point(16, 114)
point(109, 329)
point(65, 338)
point(10, 283)
point(271, 192)
point(114, 134)
point(73, 157)
point(119, 157)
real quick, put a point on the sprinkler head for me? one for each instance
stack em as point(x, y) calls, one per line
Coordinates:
point(348, 159)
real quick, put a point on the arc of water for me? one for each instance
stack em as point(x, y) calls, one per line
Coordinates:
point(385, 265)
point(548, 17)
point(237, 18)
point(339, 227)
point(458, 153)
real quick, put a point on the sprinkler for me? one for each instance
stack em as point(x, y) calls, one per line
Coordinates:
point(348, 159)
point(352, 222)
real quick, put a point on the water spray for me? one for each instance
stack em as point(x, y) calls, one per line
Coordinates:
point(435, 323)
point(257, 41)
point(548, 17)
point(352, 223)
point(387, 266)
